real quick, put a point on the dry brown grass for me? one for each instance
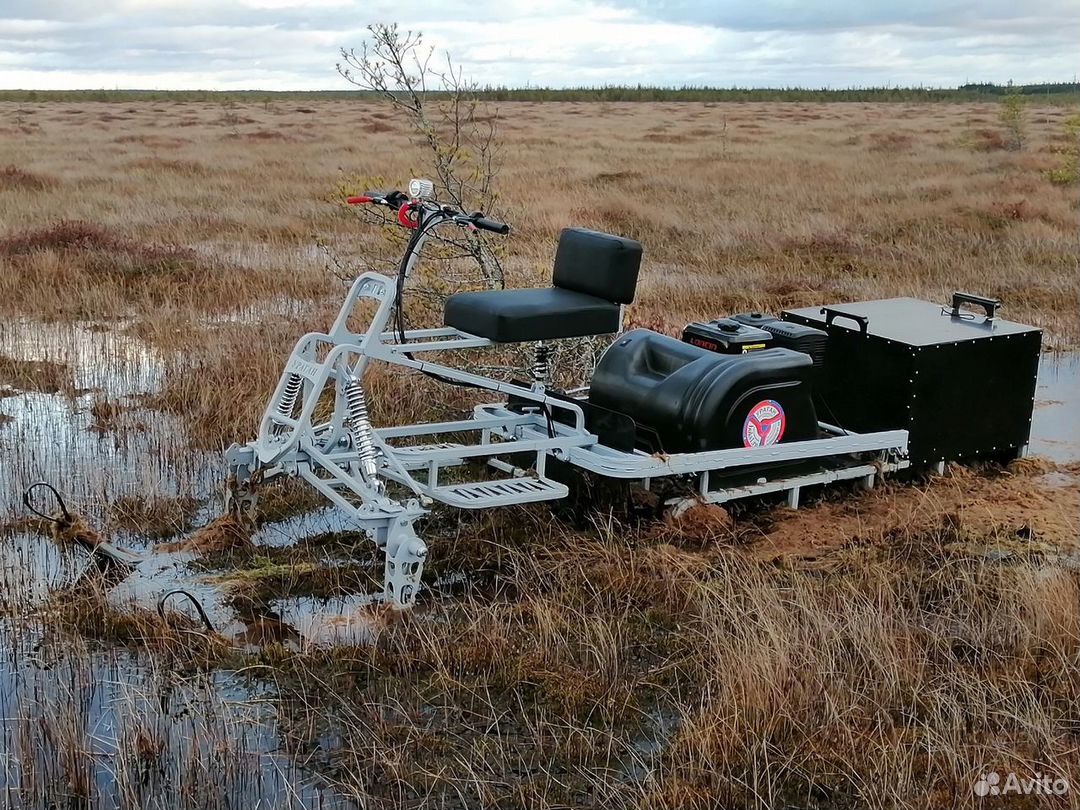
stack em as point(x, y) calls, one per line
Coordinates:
point(796, 204)
point(225, 535)
point(45, 376)
point(613, 669)
point(72, 268)
point(906, 197)
point(872, 649)
point(12, 178)
point(153, 516)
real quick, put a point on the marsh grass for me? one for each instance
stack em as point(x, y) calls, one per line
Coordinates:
point(154, 516)
point(630, 663)
point(903, 184)
point(14, 178)
point(875, 649)
point(75, 268)
point(87, 727)
point(1067, 172)
point(44, 376)
point(618, 672)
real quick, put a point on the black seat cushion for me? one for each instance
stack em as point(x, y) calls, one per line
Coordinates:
point(513, 316)
point(597, 264)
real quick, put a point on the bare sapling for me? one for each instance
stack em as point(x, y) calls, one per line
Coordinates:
point(458, 129)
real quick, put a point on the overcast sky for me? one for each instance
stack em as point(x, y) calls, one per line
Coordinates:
point(290, 44)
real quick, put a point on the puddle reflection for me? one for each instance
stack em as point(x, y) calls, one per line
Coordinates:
point(1055, 425)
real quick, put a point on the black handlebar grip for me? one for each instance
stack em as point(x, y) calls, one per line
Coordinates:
point(492, 225)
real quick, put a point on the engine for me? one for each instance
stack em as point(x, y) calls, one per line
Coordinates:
point(684, 398)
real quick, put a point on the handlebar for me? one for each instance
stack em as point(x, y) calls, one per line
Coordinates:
point(421, 214)
point(485, 224)
point(391, 199)
point(400, 202)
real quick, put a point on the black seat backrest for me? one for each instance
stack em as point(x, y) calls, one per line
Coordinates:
point(597, 264)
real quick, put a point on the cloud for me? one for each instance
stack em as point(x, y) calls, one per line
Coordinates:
point(1047, 16)
point(293, 44)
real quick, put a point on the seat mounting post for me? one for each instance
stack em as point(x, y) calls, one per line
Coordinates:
point(541, 365)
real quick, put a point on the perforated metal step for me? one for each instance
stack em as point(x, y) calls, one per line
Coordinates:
point(481, 494)
point(418, 449)
point(416, 456)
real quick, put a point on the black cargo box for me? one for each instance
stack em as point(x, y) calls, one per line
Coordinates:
point(961, 383)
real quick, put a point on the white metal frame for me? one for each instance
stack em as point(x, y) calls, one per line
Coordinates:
point(350, 462)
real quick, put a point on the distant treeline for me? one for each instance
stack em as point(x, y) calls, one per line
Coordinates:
point(1059, 92)
point(1046, 89)
point(642, 93)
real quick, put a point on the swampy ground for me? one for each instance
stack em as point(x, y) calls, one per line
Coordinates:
point(883, 648)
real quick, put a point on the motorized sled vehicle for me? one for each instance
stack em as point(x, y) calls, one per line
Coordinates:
point(738, 407)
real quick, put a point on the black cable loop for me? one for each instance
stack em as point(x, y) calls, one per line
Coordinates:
point(198, 607)
point(28, 502)
point(434, 219)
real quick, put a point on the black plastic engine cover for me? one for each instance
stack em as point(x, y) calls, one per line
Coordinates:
point(758, 319)
point(686, 399)
point(726, 336)
point(800, 338)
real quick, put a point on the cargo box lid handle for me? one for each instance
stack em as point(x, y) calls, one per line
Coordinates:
point(989, 305)
point(830, 314)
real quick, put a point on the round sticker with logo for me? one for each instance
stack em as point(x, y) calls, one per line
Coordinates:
point(764, 424)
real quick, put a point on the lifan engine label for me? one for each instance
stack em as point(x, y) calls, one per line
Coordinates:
point(764, 424)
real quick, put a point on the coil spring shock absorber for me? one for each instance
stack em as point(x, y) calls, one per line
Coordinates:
point(541, 368)
point(287, 402)
point(360, 430)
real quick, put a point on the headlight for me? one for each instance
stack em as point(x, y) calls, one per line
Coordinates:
point(421, 189)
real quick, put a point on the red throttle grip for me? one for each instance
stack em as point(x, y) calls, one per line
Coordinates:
point(357, 200)
point(408, 216)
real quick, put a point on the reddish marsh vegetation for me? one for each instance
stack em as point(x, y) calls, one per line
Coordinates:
point(883, 648)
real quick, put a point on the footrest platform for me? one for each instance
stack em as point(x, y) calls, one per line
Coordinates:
point(482, 494)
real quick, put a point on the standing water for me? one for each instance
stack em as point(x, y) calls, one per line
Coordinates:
point(1055, 426)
